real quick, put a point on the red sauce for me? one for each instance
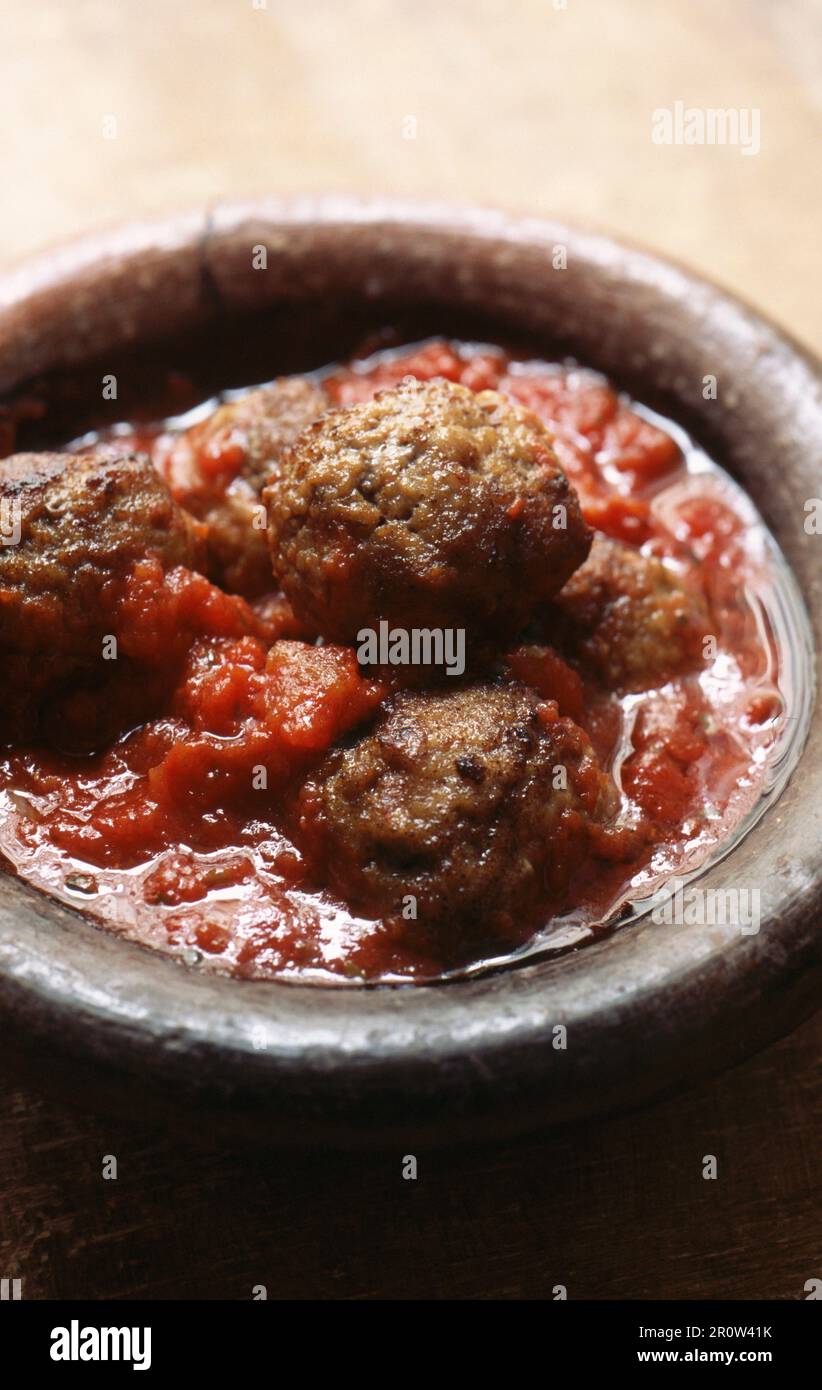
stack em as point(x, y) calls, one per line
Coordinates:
point(173, 835)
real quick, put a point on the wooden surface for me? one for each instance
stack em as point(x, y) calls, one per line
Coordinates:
point(517, 102)
point(536, 108)
point(614, 1210)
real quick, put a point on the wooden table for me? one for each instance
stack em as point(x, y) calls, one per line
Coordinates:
point(538, 108)
point(615, 1210)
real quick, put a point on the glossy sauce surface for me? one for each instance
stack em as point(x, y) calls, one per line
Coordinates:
point(175, 834)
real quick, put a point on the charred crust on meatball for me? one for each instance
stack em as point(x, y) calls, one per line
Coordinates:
point(84, 520)
point(219, 467)
point(430, 505)
point(455, 798)
point(628, 620)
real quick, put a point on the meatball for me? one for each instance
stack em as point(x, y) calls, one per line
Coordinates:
point(626, 617)
point(429, 505)
point(477, 802)
point(217, 470)
point(74, 525)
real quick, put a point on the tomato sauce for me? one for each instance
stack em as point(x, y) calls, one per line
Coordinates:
point(174, 835)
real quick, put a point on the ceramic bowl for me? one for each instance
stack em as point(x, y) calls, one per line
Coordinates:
point(648, 1008)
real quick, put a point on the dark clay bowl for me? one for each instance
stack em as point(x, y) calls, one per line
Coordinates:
point(647, 1009)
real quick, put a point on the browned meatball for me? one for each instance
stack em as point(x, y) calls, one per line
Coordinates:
point(629, 620)
point(217, 470)
point(76, 525)
point(429, 505)
point(477, 802)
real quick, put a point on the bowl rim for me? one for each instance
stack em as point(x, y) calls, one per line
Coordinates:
point(477, 1056)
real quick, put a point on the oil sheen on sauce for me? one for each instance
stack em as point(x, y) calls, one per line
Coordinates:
point(703, 754)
